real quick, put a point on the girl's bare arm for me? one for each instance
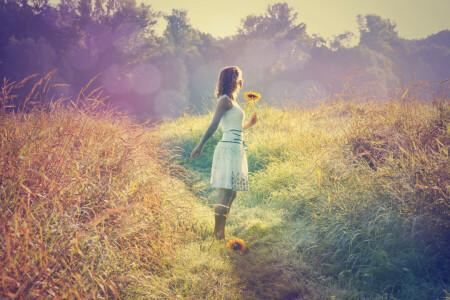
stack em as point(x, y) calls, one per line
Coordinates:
point(251, 122)
point(223, 105)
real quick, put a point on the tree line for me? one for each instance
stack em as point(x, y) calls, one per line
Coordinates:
point(165, 75)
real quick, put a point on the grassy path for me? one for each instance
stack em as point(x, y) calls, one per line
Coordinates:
point(272, 269)
point(329, 214)
point(267, 271)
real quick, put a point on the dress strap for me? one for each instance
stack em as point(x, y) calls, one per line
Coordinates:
point(224, 95)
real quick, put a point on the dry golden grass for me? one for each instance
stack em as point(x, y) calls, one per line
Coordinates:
point(88, 208)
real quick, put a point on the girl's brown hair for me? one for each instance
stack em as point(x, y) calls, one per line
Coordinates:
point(228, 81)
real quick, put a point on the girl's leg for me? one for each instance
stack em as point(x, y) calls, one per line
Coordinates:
point(233, 196)
point(226, 198)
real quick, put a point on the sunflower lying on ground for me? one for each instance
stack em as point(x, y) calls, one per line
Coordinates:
point(237, 244)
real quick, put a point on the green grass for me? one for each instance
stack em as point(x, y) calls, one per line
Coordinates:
point(354, 192)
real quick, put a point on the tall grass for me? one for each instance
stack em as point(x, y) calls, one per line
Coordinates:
point(361, 187)
point(347, 200)
point(88, 207)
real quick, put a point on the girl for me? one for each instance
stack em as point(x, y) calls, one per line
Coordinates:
point(229, 170)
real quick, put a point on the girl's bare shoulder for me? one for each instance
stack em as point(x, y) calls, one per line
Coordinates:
point(225, 101)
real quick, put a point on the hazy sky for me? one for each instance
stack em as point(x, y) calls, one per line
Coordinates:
point(414, 18)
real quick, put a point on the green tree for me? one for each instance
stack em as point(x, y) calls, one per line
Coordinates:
point(318, 41)
point(148, 18)
point(67, 7)
point(180, 33)
point(39, 6)
point(337, 41)
point(250, 25)
point(278, 20)
point(377, 33)
point(85, 10)
point(99, 10)
point(26, 56)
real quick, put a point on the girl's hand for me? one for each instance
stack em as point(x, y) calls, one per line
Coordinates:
point(253, 119)
point(196, 152)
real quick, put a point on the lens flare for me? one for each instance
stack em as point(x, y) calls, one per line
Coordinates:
point(169, 103)
point(145, 79)
point(116, 79)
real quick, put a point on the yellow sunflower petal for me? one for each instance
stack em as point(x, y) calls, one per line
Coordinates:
point(237, 244)
point(253, 96)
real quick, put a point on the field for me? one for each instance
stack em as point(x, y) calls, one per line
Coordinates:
point(350, 195)
point(347, 200)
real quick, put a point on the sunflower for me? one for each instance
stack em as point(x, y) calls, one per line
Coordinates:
point(252, 96)
point(237, 244)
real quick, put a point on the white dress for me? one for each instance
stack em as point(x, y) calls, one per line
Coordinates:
point(229, 167)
